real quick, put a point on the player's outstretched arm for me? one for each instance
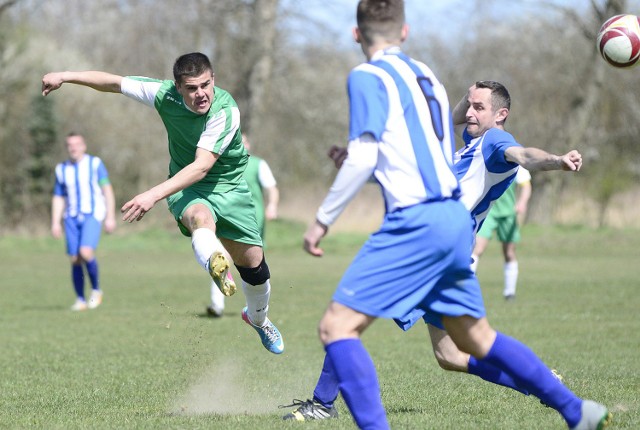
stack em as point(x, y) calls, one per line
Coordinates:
point(137, 207)
point(538, 159)
point(100, 81)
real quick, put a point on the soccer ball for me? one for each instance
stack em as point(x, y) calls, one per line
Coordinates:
point(619, 40)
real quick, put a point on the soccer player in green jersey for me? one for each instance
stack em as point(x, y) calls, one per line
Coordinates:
point(206, 190)
point(505, 218)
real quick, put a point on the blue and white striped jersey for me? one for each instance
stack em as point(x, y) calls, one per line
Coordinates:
point(80, 184)
point(483, 171)
point(400, 132)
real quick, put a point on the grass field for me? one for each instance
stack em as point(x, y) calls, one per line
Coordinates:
point(149, 358)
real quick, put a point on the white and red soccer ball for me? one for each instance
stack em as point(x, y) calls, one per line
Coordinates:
point(619, 40)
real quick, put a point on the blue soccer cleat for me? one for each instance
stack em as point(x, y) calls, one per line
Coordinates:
point(269, 334)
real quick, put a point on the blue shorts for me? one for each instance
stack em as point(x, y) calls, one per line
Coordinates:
point(416, 265)
point(81, 231)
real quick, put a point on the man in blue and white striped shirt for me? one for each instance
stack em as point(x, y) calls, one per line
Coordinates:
point(82, 197)
point(401, 134)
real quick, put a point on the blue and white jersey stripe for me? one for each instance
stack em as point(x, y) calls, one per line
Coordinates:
point(80, 184)
point(483, 171)
point(402, 104)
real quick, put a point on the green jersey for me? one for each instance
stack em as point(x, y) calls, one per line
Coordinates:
point(217, 131)
point(506, 204)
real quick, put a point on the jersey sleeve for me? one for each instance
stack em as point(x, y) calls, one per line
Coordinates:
point(59, 188)
point(265, 175)
point(141, 89)
point(496, 142)
point(103, 175)
point(219, 131)
point(522, 176)
point(368, 105)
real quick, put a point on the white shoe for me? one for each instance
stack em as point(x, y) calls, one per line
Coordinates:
point(79, 305)
point(95, 299)
point(214, 312)
point(216, 308)
point(594, 416)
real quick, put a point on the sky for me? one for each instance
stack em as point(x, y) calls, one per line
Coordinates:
point(444, 16)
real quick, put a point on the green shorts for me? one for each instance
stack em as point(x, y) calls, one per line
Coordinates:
point(233, 212)
point(506, 228)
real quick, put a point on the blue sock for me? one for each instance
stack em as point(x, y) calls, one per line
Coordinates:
point(327, 388)
point(77, 276)
point(529, 372)
point(492, 374)
point(92, 270)
point(358, 381)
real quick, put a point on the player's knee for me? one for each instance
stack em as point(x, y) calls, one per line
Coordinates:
point(449, 355)
point(328, 331)
point(198, 216)
point(323, 334)
point(86, 254)
point(449, 362)
point(256, 275)
point(76, 260)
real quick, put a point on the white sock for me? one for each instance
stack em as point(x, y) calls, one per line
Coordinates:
point(474, 263)
point(257, 301)
point(204, 243)
point(510, 278)
point(217, 298)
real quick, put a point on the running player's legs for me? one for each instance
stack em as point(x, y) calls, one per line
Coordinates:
point(509, 234)
point(391, 274)
point(229, 217)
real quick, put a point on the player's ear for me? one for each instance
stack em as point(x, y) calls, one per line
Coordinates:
point(501, 115)
point(405, 32)
point(356, 34)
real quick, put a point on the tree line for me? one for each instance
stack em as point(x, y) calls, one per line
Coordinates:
point(291, 90)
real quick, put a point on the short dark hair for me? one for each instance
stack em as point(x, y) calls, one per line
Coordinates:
point(500, 97)
point(380, 19)
point(191, 65)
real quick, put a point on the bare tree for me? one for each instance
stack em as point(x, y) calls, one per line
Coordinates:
point(261, 52)
point(287, 73)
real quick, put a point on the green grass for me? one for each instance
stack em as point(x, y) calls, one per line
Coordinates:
point(148, 358)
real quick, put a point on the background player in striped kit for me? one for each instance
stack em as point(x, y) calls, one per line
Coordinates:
point(82, 197)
